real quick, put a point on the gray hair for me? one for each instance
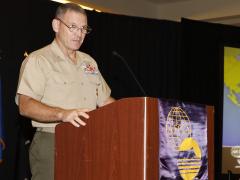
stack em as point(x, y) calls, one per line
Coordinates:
point(63, 8)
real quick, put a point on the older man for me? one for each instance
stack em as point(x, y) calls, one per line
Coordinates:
point(57, 84)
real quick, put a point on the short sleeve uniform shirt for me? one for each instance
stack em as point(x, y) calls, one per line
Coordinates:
point(48, 76)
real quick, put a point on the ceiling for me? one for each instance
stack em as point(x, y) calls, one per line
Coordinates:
point(217, 11)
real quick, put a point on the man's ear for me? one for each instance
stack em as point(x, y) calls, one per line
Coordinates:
point(55, 25)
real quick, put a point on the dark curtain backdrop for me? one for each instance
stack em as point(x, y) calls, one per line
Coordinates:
point(172, 60)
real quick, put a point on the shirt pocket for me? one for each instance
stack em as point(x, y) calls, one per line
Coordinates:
point(59, 87)
point(58, 78)
point(94, 80)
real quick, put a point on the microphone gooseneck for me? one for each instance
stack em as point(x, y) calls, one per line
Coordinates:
point(115, 53)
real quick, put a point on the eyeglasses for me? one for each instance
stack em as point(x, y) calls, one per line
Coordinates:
point(73, 28)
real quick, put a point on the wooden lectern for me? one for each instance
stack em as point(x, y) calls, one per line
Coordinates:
point(120, 142)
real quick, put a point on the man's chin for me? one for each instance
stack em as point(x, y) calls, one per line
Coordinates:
point(75, 48)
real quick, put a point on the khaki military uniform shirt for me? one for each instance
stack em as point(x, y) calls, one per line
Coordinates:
point(48, 76)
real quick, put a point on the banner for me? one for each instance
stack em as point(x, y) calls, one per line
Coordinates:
point(183, 141)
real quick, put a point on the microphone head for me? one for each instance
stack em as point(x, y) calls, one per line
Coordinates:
point(114, 53)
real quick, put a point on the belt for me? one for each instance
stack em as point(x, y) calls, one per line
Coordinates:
point(46, 129)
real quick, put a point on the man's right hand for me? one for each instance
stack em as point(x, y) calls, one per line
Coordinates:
point(74, 116)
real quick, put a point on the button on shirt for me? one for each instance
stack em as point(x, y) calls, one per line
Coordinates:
point(48, 76)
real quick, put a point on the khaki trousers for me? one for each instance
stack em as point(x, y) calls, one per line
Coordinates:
point(41, 156)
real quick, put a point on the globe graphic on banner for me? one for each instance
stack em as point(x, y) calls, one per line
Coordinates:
point(178, 126)
point(179, 132)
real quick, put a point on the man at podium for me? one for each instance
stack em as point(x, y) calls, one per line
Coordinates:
point(57, 84)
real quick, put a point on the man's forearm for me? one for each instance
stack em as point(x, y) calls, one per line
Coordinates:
point(43, 113)
point(38, 111)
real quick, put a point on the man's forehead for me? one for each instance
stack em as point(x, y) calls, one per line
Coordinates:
point(74, 13)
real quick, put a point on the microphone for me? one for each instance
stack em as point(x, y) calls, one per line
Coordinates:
point(130, 70)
